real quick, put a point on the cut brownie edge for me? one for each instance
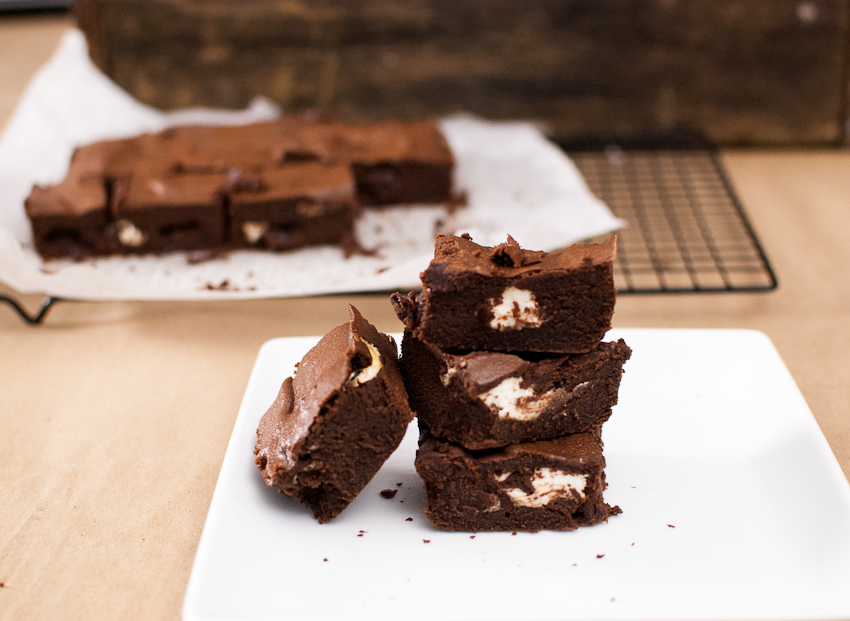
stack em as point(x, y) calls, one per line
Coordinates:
point(490, 399)
point(551, 485)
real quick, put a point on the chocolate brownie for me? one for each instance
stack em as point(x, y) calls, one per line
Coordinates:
point(334, 424)
point(509, 299)
point(489, 399)
point(68, 219)
point(293, 206)
point(553, 484)
point(394, 162)
point(165, 212)
point(386, 162)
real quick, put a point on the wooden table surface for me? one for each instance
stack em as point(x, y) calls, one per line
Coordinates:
point(114, 417)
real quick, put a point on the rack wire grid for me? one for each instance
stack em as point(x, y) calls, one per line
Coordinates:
point(687, 231)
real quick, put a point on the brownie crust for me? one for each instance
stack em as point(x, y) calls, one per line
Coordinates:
point(509, 299)
point(489, 399)
point(550, 485)
point(334, 424)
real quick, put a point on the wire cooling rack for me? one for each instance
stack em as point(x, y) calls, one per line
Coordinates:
point(687, 229)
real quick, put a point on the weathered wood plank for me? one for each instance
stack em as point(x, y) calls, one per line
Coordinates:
point(742, 72)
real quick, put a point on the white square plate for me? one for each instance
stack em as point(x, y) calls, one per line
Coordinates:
point(734, 507)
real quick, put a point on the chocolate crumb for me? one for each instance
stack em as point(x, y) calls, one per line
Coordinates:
point(599, 555)
point(671, 526)
point(359, 534)
point(466, 236)
point(426, 541)
point(513, 533)
point(388, 493)
point(410, 519)
point(325, 560)
point(472, 536)
point(399, 483)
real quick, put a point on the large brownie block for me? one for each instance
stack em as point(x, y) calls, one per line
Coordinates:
point(489, 399)
point(166, 212)
point(293, 206)
point(554, 485)
point(509, 299)
point(334, 424)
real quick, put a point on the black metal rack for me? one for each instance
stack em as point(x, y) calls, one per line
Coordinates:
point(687, 230)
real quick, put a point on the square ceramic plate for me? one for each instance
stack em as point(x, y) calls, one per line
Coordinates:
point(734, 507)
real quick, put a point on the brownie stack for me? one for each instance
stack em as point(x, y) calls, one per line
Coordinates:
point(276, 185)
point(505, 367)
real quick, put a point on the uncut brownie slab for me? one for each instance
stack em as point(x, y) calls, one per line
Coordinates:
point(337, 421)
point(549, 485)
point(293, 206)
point(509, 299)
point(160, 212)
point(490, 399)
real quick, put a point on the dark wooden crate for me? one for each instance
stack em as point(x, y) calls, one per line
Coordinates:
point(766, 72)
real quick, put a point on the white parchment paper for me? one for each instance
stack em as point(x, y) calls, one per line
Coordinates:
point(516, 182)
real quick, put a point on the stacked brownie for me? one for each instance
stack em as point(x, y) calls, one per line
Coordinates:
point(505, 367)
point(276, 185)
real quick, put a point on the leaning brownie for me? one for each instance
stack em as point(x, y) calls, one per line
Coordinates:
point(489, 399)
point(509, 299)
point(334, 424)
point(553, 485)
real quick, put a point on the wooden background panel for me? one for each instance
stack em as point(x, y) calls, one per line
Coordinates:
point(742, 72)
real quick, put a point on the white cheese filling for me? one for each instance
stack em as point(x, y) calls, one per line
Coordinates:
point(548, 485)
point(506, 397)
point(515, 310)
point(254, 231)
point(368, 373)
point(129, 234)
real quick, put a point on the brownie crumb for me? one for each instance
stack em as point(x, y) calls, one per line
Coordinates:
point(399, 483)
point(599, 555)
point(388, 493)
point(671, 526)
point(426, 541)
point(513, 533)
point(359, 534)
point(325, 560)
point(410, 519)
point(472, 536)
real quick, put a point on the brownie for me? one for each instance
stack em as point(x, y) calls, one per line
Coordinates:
point(509, 299)
point(297, 205)
point(68, 219)
point(275, 185)
point(552, 484)
point(334, 424)
point(165, 212)
point(490, 399)
point(394, 162)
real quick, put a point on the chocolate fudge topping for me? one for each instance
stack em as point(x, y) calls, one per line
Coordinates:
point(508, 299)
point(335, 423)
point(489, 399)
point(554, 484)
